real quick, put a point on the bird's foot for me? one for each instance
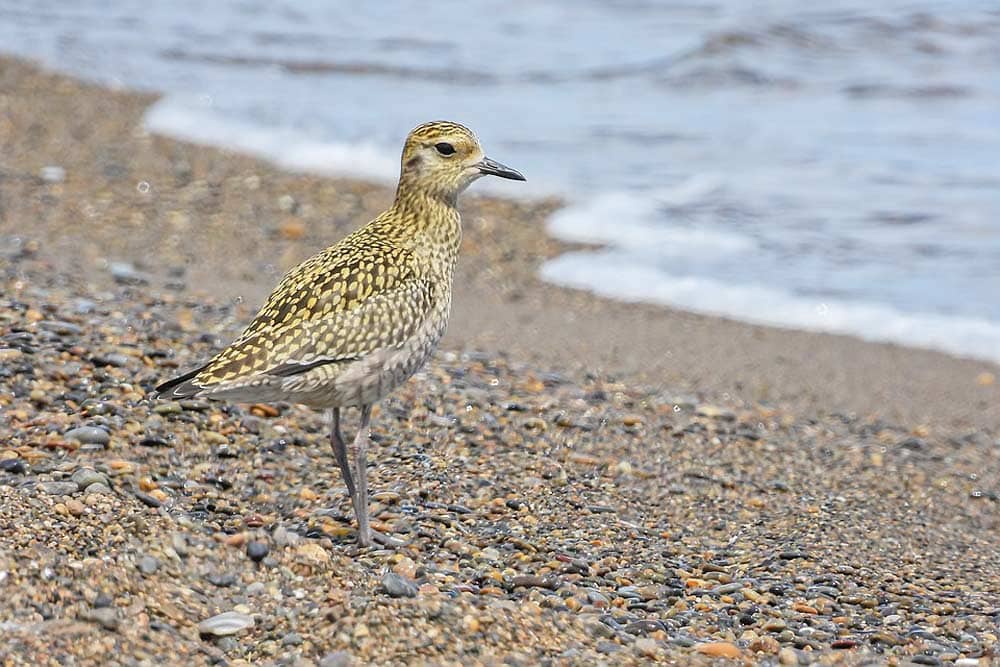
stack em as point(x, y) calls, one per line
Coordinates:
point(375, 537)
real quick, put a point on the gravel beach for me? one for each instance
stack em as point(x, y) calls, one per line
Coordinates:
point(578, 481)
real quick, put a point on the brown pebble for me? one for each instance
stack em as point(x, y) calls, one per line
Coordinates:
point(719, 650)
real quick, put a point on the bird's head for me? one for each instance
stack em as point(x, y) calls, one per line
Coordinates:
point(442, 158)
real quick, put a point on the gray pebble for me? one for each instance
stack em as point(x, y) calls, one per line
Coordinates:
point(98, 487)
point(107, 617)
point(727, 589)
point(90, 435)
point(147, 499)
point(52, 173)
point(84, 477)
point(223, 580)
point(256, 588)
point(126, 274)
point(337, 659)
point(179, 542)
point(58, 488)
point(398, 586)
point(148, 565)
point(60, 327)
point(16, 466)
point(225, 624)
point(291, 639)
point(596, 628)
point(227, 644)
point(257, 551)
point(116, 360)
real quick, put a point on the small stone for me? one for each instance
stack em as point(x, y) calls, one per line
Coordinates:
point(788, 656)
point(534, 581)
point(257, 551)
point(337, 659)
point(715, 412)
point(89, 435)
point(597, 628)
point(52, 174)
point(84, 477)
point(107, 617)
point(312, 553)
point(61, 328)
point(645, 647)
point(398, 586)
point(58, 488)
point(126, 274)
point(775, 625)
point(15, 466)
point(148, 565)
point(719, 650)
point(225, 624)
point(224, 580)
point(97, 488)
point(291, 639)
point(147, 499)
point(75, 507)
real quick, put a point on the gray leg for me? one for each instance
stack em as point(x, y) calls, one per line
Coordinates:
point(340, 451)
point(359, 447)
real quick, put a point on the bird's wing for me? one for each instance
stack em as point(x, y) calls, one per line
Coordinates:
point(337, 306)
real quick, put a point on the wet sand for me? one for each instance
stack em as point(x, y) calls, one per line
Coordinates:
point(579, 479)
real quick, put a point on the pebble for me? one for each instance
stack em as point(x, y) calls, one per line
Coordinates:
point(788, 656)
point(52, 173)
point(126, 274)
point(148, 565)
point(97, 488)
point(90, 435)
point(225, 624)
point(719, 650)
point(257, 551)
point(84, 477)
point(398, 586)
point(148, 500)
point(291, 639)
point(61, 328)
point(58, 488)
point(645, 647)
point(597, 628)
point(337, 659)
point(107, 617)
point(533, 581)
point(15, 466)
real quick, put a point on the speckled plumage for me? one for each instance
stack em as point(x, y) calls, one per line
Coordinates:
point(346, 326)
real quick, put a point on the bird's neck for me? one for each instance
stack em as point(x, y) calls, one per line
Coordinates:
point(429, 225)
point(429, 217)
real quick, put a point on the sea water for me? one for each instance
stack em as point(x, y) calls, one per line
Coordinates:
point(826, 166)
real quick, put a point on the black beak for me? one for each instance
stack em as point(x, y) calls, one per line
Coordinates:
point(494, 168)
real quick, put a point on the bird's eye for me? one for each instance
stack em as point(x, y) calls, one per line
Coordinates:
point(445, 148)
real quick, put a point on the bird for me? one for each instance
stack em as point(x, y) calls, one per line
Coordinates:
point(350, 324)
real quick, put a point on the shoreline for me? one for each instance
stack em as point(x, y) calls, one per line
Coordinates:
point(203, 204)
point(568, 492)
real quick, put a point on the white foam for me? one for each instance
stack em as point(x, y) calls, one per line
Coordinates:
point(185, 119)
point(630, 220)
point(611, 274)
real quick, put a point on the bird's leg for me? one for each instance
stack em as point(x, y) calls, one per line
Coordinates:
point(340, 451)
point(360, 498)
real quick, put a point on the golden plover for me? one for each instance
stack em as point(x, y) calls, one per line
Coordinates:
point(346, 326)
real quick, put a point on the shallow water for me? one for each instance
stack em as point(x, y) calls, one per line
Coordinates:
point(830, 169)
